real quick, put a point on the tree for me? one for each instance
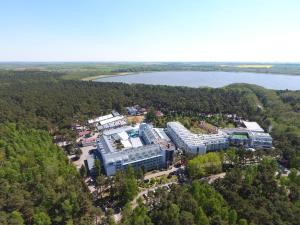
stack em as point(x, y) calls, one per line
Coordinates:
point(138, 216)
point(295, 162)
point(70, 149)
point(32, 160)
point(201, 218)
point(100, 182)
point(16, 218)
point(67, 208)
point(126, 213)
point(41, 218)
point(186, 218)
point(97, 167)
point(69, 222)
point(243, 222)
point(232, 217)
point(98, 214)
point(125, 185)
point(231, 155)
point(78, 153)
point(82, 171)
point(139, 173)
point(110, 217)
point(151, 116)
point(203, 165)
point(130, 187)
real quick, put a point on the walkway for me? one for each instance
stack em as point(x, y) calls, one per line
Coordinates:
point(161, 173)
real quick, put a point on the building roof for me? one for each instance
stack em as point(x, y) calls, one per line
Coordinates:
point(90, 161)
point(110, 120)
point(134, 149)
point(253, 126)
point(240, 136)
point(123, 135)
point(136, 142)
point(85, 132)
point(126, 143)
point(98, 119)
point(133, 154)
point(192, 139)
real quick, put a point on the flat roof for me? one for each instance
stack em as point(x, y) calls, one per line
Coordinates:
point(253, 126)
point(193, 139)
point(100, 118)
point(110, 120)
point(240, 136)
point(136, 142)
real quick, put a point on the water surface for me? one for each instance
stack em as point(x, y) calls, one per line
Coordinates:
point(209, 79)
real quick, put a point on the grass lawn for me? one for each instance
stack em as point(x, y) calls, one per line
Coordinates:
point(135, 119)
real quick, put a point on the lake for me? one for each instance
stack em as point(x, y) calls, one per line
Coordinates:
point(209, 79)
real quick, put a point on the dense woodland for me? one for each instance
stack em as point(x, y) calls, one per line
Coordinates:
point(37, 183)
point(39, 186)
point(256, 195)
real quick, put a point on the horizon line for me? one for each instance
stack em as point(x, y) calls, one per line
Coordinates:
point(132, 61)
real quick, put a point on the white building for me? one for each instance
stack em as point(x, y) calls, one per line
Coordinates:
point(100, 118)
point(128, 145)
point(249, 138)
point(253, 137)
point(252, 126)
point(196, 143)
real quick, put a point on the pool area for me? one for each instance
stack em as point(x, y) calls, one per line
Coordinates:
point(240, 136)
point(133, 133)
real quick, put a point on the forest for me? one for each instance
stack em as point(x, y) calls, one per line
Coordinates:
point(39, 186)
point(37, 183)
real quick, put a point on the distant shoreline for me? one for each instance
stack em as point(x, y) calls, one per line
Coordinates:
point(94, 78)
point(213, 79)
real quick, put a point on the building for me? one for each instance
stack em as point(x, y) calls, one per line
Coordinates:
point(249, 138)
point(252, 126)
point(252, 136)
point(196, 143)
point(261, 140)
point(84, 133)
point(89, 141)
point(132, 111)
point(141, 146)
point(136, 110)
point(108, 121)
point(99, 119)
point(113, 122)
point(184, 139)
point(90, 164)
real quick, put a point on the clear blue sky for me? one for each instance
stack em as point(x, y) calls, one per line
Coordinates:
point(150, 30)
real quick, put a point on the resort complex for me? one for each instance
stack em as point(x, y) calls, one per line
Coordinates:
point(145, 147)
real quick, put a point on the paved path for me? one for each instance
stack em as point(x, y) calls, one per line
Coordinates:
point(85, 152)
point(214, 177)
point(134, 203)
point(160, 173)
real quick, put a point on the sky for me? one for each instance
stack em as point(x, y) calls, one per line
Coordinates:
point(150, 30)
